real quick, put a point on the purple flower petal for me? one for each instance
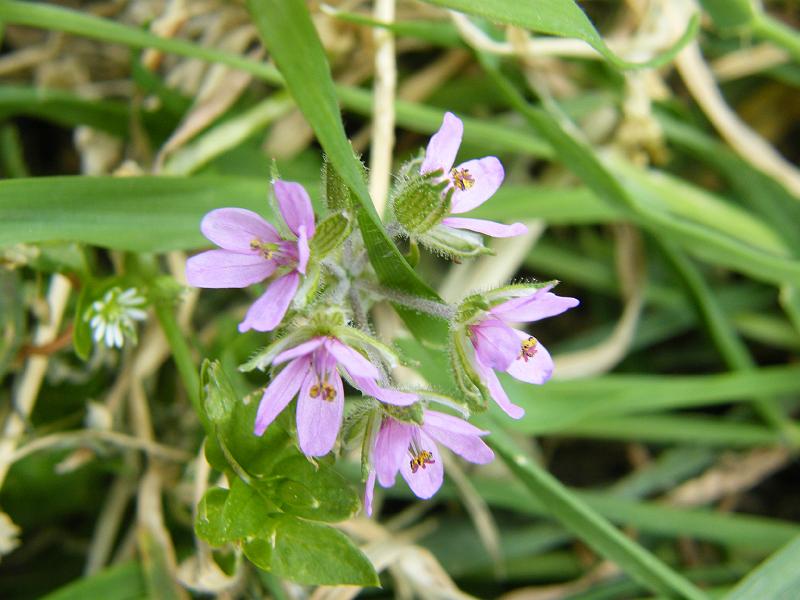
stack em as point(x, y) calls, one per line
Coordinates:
point(369, 492)
point(461, 437)
point(396, 397)
point(355, 363)
point(226, 269)
point(425, 482)
point(538, 367)
point(300, 350)
point(490, 228)
point(498, 393)
point(280, 392)
point(449, 423)
point(235, 228)
point(319, 419)
point(391, 448)
point(496, 344)
point(540, 305)
point(303, 251)
point(468, 447)
point(295, 206)
point(486, 174)
point(443, 146)
point(267, 312)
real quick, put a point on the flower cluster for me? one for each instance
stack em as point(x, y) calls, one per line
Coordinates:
point(319, 288)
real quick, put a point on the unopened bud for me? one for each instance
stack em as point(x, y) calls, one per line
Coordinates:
point(331, 233)
point(422, 203)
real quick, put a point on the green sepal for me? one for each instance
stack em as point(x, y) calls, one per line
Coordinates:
point(453, 243)
point(331, 232)
point(406, 414)
point(469, 382)
point(335, 193)
point(421, 203)
point(262, 359)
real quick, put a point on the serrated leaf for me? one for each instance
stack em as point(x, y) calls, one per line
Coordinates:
point(310, 553)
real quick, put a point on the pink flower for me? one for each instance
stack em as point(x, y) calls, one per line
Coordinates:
point(252, 250)
point(498, 346)
point(313, 371)
point(473, 182)
point(411, 449)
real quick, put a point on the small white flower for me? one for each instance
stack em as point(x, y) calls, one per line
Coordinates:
point(113, 318)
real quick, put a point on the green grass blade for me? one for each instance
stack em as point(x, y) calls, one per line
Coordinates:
point(778, 578)
point(141, 214)
point(562, 18)
point(593, 529)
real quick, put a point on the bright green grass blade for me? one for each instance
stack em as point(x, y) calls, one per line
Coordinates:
point(753, 534)
point(286, 25)
point(141, 214)
point(778, 578)
point(120, 582)
point(562, 18)
point(561, 404)
point(64, 108)
point(594, 530)
point(676, 429)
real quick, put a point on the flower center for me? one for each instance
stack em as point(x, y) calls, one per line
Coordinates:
point(324, 390)
point(462, 179)
point(422, 459)
point(267, 249)
point(528, 349)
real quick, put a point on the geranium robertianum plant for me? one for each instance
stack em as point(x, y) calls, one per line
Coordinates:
point(319, 336)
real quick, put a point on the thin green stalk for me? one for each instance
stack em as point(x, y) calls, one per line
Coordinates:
point(183, 359)
point(11, 155)
point(771, 29)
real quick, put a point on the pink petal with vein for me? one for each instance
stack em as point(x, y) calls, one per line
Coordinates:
point(235, 228)
point(225, 269)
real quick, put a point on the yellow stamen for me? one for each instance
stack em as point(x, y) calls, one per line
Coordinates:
point(528, 348)
point(267, 249)
point(325, 390)
point(462, 179)
point(422, 459)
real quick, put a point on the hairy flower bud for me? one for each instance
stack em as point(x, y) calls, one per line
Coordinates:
point(421, 203)
point(331, 233)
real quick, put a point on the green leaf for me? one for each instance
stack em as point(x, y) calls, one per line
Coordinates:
point(777, 578)
point(310, 553)
point(121, 582)
point(590, 526)
point(208, 524)
point(246, 512)
point(562, 18)
point(315, 492)
point(284, 26)
point(729, 14)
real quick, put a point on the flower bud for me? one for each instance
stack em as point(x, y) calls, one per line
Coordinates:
point(331, 233)
point(422, 203)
